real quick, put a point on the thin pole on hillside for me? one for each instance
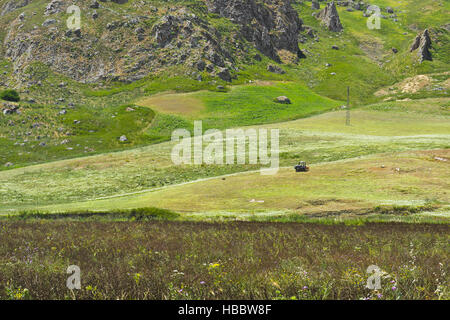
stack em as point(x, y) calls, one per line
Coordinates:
point(347, 121)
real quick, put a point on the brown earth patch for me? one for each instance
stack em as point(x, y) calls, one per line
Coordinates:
point(180, 104)
point(414, 84)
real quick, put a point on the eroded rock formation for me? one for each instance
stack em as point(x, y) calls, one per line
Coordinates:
point(422, 43)
point(330, 17)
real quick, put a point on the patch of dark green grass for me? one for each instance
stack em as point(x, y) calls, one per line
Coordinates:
point(139, 214)
point(404, 210)
point(10, 95)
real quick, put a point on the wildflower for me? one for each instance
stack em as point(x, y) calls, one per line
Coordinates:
point(137, 277)
point(202, 282)
point(305, 287)
point(379, 296)
point(394, 288)
point(180, 291)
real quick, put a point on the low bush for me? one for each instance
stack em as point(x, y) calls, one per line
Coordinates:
point(10, 95)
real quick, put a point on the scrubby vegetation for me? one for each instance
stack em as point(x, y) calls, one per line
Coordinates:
point(174, 260)
point(139, 214)
point(10, 95)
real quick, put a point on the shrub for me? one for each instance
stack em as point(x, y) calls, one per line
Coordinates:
point(151, 214)
point(139, 214)
point(10, 95)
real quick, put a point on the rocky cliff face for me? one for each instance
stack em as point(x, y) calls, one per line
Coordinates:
point(272, 25)
point(124, 47)
point(127, 49)
point(13, 5)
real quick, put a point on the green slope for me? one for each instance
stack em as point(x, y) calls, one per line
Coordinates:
point(382, 128)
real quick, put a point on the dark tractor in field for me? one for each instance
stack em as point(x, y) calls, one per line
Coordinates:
point(301, 167)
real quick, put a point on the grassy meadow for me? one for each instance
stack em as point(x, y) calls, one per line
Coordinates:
point(342, 189)
point(243, 105)
point(388, 128)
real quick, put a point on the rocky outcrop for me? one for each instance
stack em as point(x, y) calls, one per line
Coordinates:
point(129, 47)
point(178, 38)
point(422, 43)
point(8, 108)
point(25, 48)
point(199, 44)
point(271, 25)
point(283, 100)
point(55, 6)
point(275, 69)
point(168, 27)
point(123, 138)
point(330, 17)
point(13, 5)
point(224, 74)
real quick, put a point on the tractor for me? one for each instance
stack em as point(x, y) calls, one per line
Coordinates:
point(301, 167)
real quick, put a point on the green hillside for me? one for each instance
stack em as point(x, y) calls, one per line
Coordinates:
point(97, 109)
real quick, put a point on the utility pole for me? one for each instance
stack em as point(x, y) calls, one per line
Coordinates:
point(347, 121)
